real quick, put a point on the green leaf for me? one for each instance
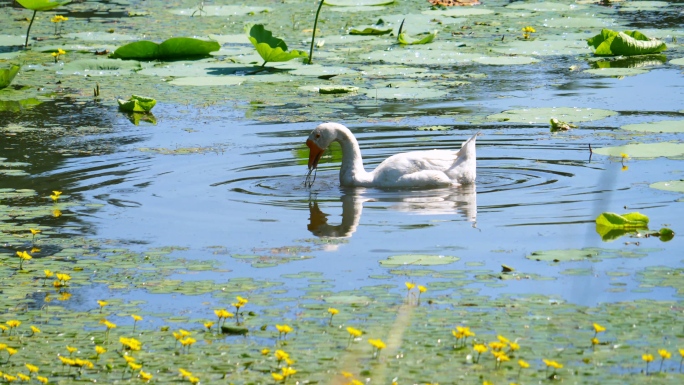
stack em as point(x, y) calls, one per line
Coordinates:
point(271, 49)
point(666, 234)
point(404, 38)
point(174, 48)
point(633, 220)
point(371, 30)
point(7, 74)
point(137, 104)
point(41, 5)
point(628, 43)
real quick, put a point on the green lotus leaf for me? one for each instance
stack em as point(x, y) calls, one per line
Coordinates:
point(370, 30)
point(673, 185)
point(174, 48)
point(137, 104)
point(271, 49)
point(7, 74)
point(666, 234)
point(41, 5)
point(404, 38)
point(633, 220)
point(627, 43)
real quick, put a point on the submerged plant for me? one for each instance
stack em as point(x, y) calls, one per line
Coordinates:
point(38, 5)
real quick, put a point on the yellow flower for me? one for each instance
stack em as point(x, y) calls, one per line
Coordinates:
point(503, 339)
point(64, 296)
point(513, 346)
point(480, 348)
point(497, 345)
point(410, 285)
point(48, 273)
point(623, 155)
point(81, 363)
point(145, 376)
point(56, 213)
point(529, 29)
point(63, 277)
point(134, 366)
point(346, 374)
point(598, 328)
point(278, 376)
point(184, 372)
point(136, 317)
point(357, 382)
point(42, 380)
point(34, 329)
point(102, 303)
point(553, 364)
point(100, 350)
point(71, 349)
point(624, 168)
point(284, 328)
point(57, 193)
point(58, 19)
point(129, 359)
point(422, 289)
point(25, 256)
point(188, 341)
point(378, 344)
point(23, 377)
point(280, 355)
point(354, 332)
point(333, 311)
point(288, 371)
point(193, 380)
point(108, 324)
point(13, 323)
point(209, 324)
point(130, 343)
point(664, 354)
point(223, 313)
point(11, 351)
point(184, 333)
point(34, 231)
point(32, 368)
point(681, 352)
point(3, 328)
point(242, 301)
point(265, 352)
point(523, 364)
point(67, 361)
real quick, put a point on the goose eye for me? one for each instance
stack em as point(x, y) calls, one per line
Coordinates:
point(318, 136)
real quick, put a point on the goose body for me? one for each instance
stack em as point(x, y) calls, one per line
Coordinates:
point(430, 168)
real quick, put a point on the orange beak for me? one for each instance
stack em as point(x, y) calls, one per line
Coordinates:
point(315, 153)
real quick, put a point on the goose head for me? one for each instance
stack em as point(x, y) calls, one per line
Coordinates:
point(319, 140)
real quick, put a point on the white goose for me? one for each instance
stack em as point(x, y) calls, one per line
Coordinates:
point(431, 168)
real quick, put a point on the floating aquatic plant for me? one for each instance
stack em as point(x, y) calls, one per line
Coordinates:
point(174, 48)
point(137, 103)
point(270, 48)
point(627, 43)
point(38, 5)
point(7, 75)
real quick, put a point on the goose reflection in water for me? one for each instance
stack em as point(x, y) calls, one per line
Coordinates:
point(460, 201)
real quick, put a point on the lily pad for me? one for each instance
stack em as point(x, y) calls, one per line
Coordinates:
point(137, 104)
point(564, 255)
point(7, 75)
point(506, 60)
point(543, 115)
point(645, 150)
point(400, 93)
point(174, 48)
point(627, 43)
point(99, 36)
point(270, 48)
point(101, 67)
point(404, 38)
point(418, 260)
point(679, 61)
point(659, 126)
point(41, 5)
point(337, 89)
point(673, 185)
point(208, 81)
point(541, 47)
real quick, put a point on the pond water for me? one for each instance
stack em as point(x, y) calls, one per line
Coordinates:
point(216, 175)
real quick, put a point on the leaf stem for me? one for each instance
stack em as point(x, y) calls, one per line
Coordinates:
point(29, 29)
point(313, 34)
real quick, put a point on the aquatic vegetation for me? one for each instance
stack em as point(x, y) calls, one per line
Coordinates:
point(404, 39)
point(528, 31)
point(57, 20)
point(270, 48)
point(58, 53)
point(39, 5)
point(137, 103)
point(627, 43)
point(8, 74)
point(174, 48)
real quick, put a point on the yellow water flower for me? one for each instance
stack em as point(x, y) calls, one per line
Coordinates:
point(598, 328)
point(288, 371)
point(480, 348)
point(100, 350)
point(145, 376)
point(13, 323)
point(34, 231)
point(422, 289)
point(281, 355)
point(209, 324)
point(67, 361)
point(523, 364)
point(130, 343)
point(71, 349)
point(553, 364)
point(63, 277)
point(32, 368)
point(503, 339)
point(513, 346)
point(529, 29)
point(42, 380)
point(11, 351)
point(81, 363)
point(56, 213)
point(129, 359)
point(277, 376)
point(134, 366)
point(497, 345)
point(9, 378)
point(265, 352)
point(102, 304)
point(283, 330)
point(410, 285)
point(107, 324)
point(64, 296)
point(194, 380)
point(242, 301)
point(346, 374)
point(333, 311)
point(136, 317)
point(59, 19)
point(23, 377)
point(35, 330)
point(377, 343)
point(184, 373)
point(354, 332)
point(664, 354)
point(48, 273)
